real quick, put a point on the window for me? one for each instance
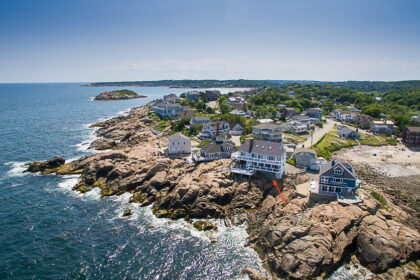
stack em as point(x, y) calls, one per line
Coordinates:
point(260, 156)
point(324, 188)
point(338, 180)
point(324, 180)
point(337, 190)
point(338, 171)
point(271, 158)
point(331, 189)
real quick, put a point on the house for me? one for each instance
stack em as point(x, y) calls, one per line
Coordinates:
point(382, 127)
point(306, 158)
point(215, 150)
point(179, 144)
point(169, 110)
point(415, 118)
point(353, 109)
point(363, 121)
point(186, 113)
point(238, 113)
point(291, 93)
point(337, 179)
point(199, 119)
point(212, 95)
point(268, 132)
point(348, 133)
point(295, 127)
point(302, 119)
point(193, 95)
point(345, 115)
point(411, 136)
point(288, 112)
point(314, 113)
point(235, 129)
point(212, 129)
point(171, 98)
point(258, 155)
point(281, 106)
point(235, 99)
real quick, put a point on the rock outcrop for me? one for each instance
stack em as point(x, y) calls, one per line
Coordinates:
point(296, 240)
point(117, 95)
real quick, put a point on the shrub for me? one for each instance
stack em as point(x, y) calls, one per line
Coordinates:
point(377, 196)
point(291, 161)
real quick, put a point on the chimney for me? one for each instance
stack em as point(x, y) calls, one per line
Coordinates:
point(332, 163)
point(217, 127)
point(251, 144)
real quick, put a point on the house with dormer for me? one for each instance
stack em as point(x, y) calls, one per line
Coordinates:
point(338, 178)
point(262, 156)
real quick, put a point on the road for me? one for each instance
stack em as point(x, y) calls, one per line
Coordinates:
point(319, 133)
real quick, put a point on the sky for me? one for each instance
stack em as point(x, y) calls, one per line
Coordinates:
point(135, 40)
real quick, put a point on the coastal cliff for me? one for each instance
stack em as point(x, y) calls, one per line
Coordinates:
point(117, 95)
point(297, 240)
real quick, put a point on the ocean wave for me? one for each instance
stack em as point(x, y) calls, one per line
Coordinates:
point(16, 168)
point(69, 181)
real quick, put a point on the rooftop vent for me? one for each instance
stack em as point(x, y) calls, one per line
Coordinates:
point(256, 145)
point(269, 147)
point(262, 147)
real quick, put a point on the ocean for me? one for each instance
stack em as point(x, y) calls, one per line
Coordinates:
point(49, 231)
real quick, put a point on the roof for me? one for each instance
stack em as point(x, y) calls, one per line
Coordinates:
point(170, 105)
point(201, 118)
point(217, 147)
point(260, 147)
point(414, 129)
point(301, 117)
point(267, 126)
point(328, 169)
point(176, 135)
point(345, 129)
point(304, 150)
point(232, 125)
point(315, 110)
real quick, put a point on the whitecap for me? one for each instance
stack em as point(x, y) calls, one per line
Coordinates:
point(16, 168)
point(69, 181)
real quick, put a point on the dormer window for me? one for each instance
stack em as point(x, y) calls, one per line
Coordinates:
point(338, 171)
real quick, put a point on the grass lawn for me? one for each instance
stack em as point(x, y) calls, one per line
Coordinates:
point(376, 140)
point(298, 139)
point(331, 143)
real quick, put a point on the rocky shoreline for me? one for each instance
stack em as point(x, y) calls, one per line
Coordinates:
point(117, 95)
point(298, 240)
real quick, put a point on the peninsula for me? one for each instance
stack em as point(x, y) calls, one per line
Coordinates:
point(299, 239)
point(118, 95)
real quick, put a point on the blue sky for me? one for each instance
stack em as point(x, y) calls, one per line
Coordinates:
point(104, 40)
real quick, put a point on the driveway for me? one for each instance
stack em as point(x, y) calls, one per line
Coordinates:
point(318, 134)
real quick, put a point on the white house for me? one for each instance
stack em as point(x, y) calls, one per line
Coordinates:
point(199, 119)
point(235, 129)
point(212, 129)
point(345, 115)
point(295, 127)
point(268, 132)
point(263, 156)
point(179, 144)
point(167, 110)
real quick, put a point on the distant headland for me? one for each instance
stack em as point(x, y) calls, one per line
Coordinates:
point(118, 95)
point(241, 83)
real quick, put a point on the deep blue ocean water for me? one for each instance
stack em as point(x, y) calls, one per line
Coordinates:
point(48, 231)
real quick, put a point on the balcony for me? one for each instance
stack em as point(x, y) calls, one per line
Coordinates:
point(238, 156)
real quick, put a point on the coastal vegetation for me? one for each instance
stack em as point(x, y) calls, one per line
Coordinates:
point(118, 95)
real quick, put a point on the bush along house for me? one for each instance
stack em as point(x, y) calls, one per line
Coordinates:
point(263, 156)
point(338, 181)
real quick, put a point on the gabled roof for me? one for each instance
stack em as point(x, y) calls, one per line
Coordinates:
point(217, 147)
point(346, 130)
point(177, 135)
point(328, 170)
point(260, 147)
point(232, 125)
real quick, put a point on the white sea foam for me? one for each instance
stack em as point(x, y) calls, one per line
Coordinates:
point(69, 181)
point(16, 169)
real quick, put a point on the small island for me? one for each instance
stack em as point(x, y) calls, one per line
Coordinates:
point(118, 95)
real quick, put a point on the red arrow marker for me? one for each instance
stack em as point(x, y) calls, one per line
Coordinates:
point(275, 184)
